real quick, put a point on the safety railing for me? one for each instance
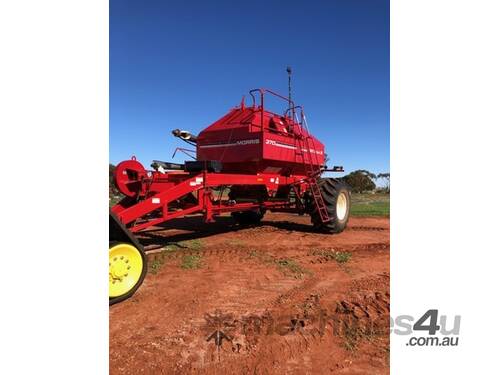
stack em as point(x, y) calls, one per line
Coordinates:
point(262, 92)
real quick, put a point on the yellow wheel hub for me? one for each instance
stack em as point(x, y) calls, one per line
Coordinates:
point(125, 269)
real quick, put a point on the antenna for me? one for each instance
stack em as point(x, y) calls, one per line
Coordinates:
point(289, 71)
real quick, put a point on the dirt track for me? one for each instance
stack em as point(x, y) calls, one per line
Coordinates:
point(279, 293)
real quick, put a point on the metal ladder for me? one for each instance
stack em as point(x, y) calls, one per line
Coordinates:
point(311, 172)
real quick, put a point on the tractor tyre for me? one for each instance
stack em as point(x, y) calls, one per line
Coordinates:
point(246, 218)
point(127, 270)
point(337, 197)
point(253, 194)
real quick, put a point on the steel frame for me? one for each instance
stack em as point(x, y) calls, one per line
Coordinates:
point(130, 211)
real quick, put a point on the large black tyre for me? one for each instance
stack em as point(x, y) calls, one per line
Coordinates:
point(337, 197)
point(246, 193)
point(248, 217)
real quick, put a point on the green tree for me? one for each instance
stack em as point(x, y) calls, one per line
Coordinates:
point(113, 191)
point(386, 178)
point(360, 180)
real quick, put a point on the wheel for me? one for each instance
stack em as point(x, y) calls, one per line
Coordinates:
point(248, 217)
point(127, 270)
point(245, 193)
point(337, 197)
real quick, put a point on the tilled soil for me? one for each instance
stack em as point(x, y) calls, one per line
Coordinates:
point(277, 298)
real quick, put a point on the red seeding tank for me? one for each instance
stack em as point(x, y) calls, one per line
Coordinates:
point(254, 140)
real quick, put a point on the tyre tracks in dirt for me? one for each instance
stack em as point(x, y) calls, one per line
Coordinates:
point(327, 317)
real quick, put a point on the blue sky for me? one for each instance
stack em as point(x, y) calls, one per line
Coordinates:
point(180, 64)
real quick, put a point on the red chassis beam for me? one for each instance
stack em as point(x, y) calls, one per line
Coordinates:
point(201, 183)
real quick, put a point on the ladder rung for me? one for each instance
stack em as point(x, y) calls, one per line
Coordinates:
point(312, 172)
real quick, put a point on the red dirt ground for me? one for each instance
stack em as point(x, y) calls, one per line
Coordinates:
point(276, 291)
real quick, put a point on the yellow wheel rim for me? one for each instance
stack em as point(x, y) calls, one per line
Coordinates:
point(125, 269)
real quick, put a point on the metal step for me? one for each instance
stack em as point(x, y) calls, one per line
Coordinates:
point(318, 200)
point(312, 175)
